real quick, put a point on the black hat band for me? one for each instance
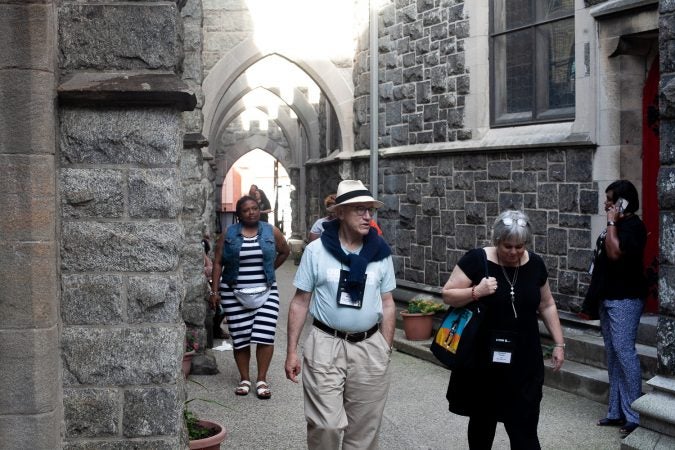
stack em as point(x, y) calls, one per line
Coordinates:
point(349, 195)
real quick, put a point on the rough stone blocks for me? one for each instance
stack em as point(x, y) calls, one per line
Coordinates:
point(119, 36)
point(121, 356)
point(126, 247)
point(147, 137)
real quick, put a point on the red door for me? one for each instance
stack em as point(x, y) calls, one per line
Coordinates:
point(650, 172)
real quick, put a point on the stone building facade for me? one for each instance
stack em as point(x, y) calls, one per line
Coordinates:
point(107, 115)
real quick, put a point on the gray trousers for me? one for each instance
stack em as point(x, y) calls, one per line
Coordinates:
point(345, 386)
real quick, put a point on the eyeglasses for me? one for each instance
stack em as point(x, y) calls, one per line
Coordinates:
point(509, 221)
point(361, 210)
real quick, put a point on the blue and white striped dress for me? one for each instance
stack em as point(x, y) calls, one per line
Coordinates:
point(250, 326)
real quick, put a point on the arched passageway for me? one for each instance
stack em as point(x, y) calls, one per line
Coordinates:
point(299, 98)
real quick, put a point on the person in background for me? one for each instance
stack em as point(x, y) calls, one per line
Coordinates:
point(317, 227)
point(218, 316)
point(208, 264)
point(619, 289)
point(345, 281)
point(263, 202)
point(247, 255)
point(506, 382)
point(376, 226)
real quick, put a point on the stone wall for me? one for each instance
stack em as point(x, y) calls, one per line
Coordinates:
point(437, 207)
point(125, 262)
point(226, 24)
point(423, 81)
point(666, 184)
point(31, 410)
point(196, 182)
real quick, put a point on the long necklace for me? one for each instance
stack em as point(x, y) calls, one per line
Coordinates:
point(512, 284)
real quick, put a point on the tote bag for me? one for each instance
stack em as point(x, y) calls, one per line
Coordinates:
point(453, 344)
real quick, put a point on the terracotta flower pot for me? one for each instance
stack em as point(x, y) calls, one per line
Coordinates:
point(211, 442)
point(417, 326)
point(187, 362)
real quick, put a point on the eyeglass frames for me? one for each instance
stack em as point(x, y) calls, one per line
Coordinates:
point(508, 221)
point(361, 210)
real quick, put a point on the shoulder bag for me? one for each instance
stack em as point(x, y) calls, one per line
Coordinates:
point(453, 344)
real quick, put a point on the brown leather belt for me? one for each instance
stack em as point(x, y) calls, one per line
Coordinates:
point(349, 337)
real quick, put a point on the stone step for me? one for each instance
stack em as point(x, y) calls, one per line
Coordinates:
point(584, 372)
point(583, 380)
point(575, 377)
point(646, 329)
point(589, 349)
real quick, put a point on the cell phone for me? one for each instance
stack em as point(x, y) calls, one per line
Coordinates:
point(622, 203)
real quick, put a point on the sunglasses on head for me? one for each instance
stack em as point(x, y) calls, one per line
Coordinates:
point(509, 221)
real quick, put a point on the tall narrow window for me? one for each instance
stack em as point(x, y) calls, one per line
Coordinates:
point(532, 61)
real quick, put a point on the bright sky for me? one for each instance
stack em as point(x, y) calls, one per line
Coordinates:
point(283, 26)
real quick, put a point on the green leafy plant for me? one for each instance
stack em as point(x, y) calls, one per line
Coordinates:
point(194, 429)
point(424, 306)
point(191, 340)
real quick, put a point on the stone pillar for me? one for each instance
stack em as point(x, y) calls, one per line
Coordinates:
point(30, 404)
point(657, 408)
point(122, 247)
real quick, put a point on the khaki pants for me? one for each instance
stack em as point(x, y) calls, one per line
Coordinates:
point(345, 386)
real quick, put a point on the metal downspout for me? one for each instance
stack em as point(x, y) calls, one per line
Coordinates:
point(374, 97)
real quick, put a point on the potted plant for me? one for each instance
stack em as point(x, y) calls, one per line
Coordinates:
point(191, 347)
point(203, 434)
point(418, 318)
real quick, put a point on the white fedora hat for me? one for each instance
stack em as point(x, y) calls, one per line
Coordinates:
point(353, 191)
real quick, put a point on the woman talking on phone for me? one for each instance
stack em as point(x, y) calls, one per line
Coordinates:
point(619, 288)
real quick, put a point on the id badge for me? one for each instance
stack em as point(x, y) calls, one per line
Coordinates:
point(502, 345)
point(344, 299)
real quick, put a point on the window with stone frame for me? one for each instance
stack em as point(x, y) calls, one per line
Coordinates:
point(532, 71)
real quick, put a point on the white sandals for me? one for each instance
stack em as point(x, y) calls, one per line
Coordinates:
point(262, 390)
point(243, 388)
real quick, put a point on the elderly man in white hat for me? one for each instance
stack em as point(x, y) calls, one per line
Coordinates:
point(345, 281)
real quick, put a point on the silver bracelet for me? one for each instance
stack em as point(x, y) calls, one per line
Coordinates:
point(212, 293)
point(559, 345)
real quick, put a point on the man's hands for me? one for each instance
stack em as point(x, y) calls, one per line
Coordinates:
point(292, 367)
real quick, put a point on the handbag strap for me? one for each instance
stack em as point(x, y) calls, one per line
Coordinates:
point(487, 274)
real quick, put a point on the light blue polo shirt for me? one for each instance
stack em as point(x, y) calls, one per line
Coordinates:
point(319, 273)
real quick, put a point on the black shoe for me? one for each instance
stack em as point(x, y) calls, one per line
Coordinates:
point(628, 428)
point(611, 422)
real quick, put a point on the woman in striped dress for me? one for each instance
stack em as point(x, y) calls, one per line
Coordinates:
point(246, 256)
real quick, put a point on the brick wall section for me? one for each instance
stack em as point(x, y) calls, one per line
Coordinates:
point(439, 206)
point(666, 184)
point(422, 78)
point(123, 240)
point(30, 404)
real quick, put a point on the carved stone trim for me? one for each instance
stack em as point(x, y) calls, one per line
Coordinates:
point(126, 89)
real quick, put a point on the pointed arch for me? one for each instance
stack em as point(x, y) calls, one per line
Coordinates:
point(287, 125)
point(326, 75)
point(305, 112)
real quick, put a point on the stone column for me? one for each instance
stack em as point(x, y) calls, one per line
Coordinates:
point(657, 408)
point(122, 249)
point(30, 404)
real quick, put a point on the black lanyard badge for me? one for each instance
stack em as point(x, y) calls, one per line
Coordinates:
point(353, 299)
point(502, 346)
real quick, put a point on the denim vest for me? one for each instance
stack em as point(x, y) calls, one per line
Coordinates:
point(232, 247)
